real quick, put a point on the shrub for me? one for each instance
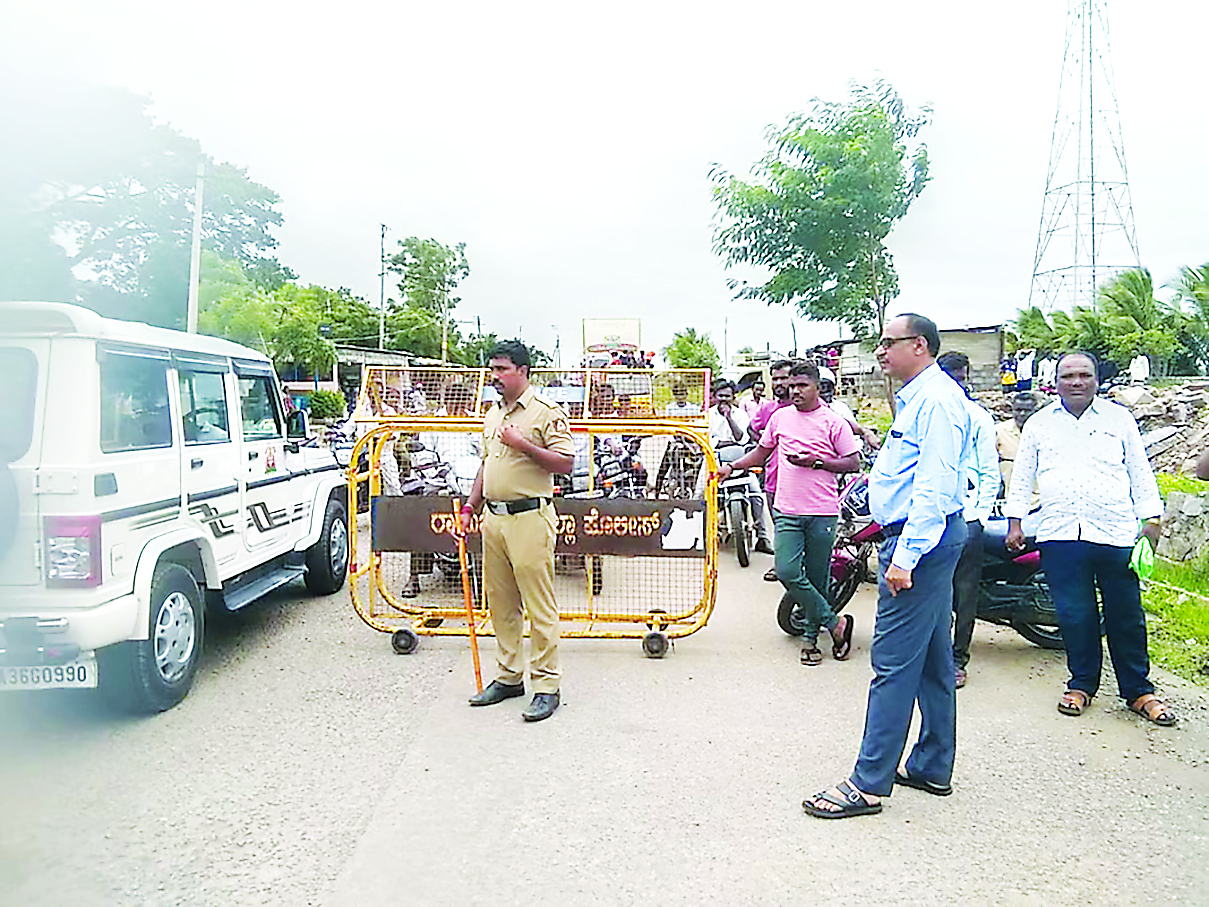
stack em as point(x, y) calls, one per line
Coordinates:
point(327, 404)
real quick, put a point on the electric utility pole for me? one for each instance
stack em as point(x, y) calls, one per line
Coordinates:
point(382, 289)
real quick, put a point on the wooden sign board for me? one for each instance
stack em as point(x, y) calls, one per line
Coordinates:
point(614, 526)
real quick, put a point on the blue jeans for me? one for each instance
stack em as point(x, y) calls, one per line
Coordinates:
point(803, 559)
point(912, 655)
point(1073, 571)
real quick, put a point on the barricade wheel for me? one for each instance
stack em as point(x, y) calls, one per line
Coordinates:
point(785, 616)
point(655, 644)
point(404, 641)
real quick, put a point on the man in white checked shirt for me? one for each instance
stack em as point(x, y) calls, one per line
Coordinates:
point(1095, 484)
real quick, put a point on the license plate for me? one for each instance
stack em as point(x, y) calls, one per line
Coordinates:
point(79, 674)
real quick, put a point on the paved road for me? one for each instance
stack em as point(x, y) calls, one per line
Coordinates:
point(312, 766)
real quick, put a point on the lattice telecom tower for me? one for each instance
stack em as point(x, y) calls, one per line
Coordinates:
point(1087, 228)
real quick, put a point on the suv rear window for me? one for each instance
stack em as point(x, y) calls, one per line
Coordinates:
point(134, 404)
point(19, 367)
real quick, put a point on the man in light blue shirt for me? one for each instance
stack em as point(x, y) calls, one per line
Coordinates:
point(982, 486)
point(917, 492)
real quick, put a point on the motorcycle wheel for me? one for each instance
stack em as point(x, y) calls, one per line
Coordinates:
point(785, 616)
point(738, 530)
point(842, 590)
point(1047, 635)
point(1040, 635)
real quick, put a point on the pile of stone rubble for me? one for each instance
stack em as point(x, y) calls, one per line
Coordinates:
point(1174, 421)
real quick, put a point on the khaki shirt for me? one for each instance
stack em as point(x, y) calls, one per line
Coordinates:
point(508, 474)
point(1007, 444)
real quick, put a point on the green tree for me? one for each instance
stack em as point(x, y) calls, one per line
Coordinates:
point(96, 204)
point(824, 199)
point(689, 349)
point(429, 273)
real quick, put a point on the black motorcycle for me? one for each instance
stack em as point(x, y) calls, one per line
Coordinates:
point(1013, 591)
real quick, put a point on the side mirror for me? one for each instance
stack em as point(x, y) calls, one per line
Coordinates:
point(297, 425)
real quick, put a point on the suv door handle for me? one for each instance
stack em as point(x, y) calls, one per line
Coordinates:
point(253, 455)
point(195, 464)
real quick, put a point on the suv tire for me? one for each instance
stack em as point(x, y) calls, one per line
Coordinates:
point(327, 559)
point(154, 674)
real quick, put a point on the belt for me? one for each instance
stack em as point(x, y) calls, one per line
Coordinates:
point(523, 505)
point(894, 530)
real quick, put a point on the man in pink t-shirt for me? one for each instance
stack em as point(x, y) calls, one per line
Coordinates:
point(812, 444)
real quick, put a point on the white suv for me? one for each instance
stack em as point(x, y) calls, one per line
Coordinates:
point(145, 474)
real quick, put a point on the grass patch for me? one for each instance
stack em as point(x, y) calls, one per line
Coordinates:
point(1169, 482)
point(1177, 599)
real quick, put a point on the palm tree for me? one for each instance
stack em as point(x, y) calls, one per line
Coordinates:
point(1137, 322)
point(1033, 331)
point(1193, 287)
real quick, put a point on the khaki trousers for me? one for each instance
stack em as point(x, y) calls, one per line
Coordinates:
point(518, 575)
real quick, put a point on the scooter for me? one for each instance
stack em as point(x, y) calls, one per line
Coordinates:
point(1013, 591)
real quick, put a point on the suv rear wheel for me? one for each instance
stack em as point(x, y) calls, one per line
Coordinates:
point(154, 674)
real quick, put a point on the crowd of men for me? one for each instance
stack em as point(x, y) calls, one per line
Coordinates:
point(1074, 470)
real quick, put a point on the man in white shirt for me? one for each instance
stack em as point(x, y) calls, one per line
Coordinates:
point(1095, 483)
point(982, 480)
point(680, 405)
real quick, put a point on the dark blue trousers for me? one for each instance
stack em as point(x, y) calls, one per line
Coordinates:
point(912, 657)
point(1074, 570)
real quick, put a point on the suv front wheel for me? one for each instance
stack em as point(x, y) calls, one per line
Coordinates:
point(154, 674)
point(327, 559)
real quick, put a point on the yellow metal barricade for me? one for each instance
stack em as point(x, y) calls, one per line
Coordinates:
point(630, 562)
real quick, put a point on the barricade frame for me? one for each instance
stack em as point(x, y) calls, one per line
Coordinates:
point(379, 608)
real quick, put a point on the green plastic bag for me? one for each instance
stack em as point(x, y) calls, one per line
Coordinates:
point(1141, 561)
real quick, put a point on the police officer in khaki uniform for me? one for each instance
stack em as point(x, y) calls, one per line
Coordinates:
point(526, 440)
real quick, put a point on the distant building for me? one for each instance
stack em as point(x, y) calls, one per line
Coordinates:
point(859, 374)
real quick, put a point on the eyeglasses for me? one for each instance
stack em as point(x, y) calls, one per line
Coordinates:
point(886, 342)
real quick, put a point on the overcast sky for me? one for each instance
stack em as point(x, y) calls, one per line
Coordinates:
point(569, 145)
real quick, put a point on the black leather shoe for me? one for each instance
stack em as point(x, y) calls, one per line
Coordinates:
point(498, 691)
point(764, 547)
point(542, 707)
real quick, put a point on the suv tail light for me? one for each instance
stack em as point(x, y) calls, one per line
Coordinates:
point(73, 550)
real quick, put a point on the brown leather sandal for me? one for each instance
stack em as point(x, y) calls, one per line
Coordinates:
point(1153, 709)
point(1073, 702)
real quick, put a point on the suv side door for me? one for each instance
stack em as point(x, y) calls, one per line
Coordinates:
point(266, 477)
point(210, 468)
